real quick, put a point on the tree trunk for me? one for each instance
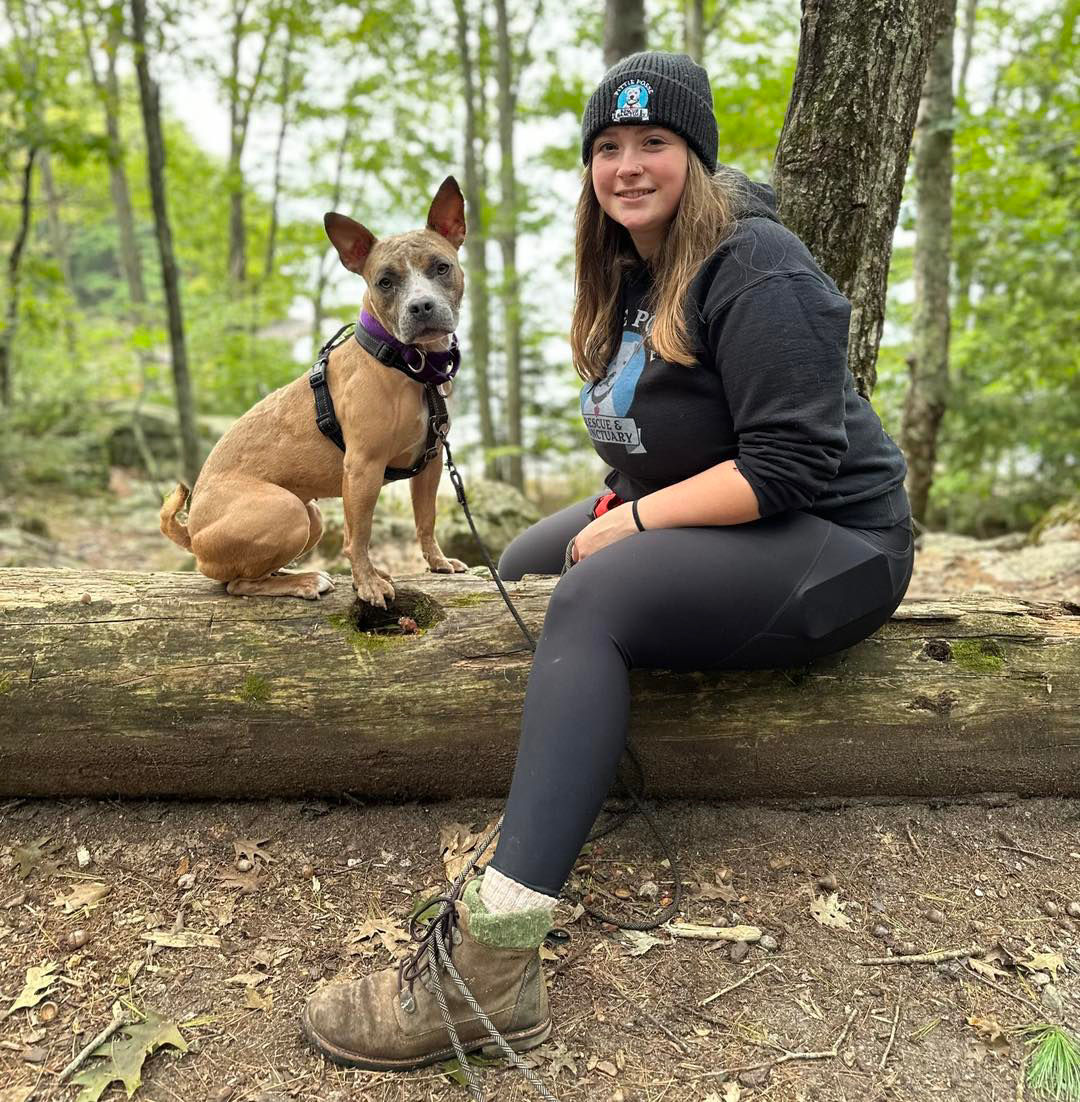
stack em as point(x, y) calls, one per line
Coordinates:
point(843, 151)
point(283, 104)
point(108, 90)
point(928, 390)
point(155, 167)
point(59, 249)
point(241, 101)
point(14, 271)
point(335, 204)
point(160, 684)
point(476, 271)
point(624, 29)
point(694, 29)
point(506, 232)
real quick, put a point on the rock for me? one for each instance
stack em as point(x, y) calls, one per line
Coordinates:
point(1073, 909)
point(737, 951)
point(881, 932)
point(499, 511)
point(1051, 999)
point(768, 943)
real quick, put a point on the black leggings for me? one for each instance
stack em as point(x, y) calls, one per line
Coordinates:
point(776, 592)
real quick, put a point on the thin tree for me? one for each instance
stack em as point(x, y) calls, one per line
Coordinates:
point(241, 101)
point(14, 270)
point(155, 168)
point(928, 388)
point(476, 269)
point(108, 91)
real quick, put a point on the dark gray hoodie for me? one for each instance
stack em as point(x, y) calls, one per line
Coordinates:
point(771, 388)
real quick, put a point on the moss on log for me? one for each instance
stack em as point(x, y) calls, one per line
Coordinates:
point(159, 684)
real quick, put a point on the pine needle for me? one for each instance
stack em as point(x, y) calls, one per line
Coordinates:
point(1054, 1066)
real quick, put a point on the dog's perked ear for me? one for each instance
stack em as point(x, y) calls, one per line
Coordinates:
point(352, 241)
point(447, 213)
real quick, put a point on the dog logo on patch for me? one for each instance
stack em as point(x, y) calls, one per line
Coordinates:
point(632, 101)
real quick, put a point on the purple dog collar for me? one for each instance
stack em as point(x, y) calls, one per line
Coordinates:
point(424, 367)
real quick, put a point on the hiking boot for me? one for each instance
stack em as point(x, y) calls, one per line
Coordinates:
point(391, 1020)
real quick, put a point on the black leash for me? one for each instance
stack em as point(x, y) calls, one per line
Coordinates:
point(676, 898)
point(438, 430)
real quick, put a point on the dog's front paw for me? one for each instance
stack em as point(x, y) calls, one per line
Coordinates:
point(447, 566)
point(373, 588)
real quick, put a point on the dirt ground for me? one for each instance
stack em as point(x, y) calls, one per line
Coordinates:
point(183, 928)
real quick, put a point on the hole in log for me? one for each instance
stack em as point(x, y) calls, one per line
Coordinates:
point(937, 649)
point(408, 605)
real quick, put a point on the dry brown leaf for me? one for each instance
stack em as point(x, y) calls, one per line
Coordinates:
point(830, 912)
point(247, 882)
point(457, 844)
point(183, 868)
point(253, 999)
point(386, 931)
point(38, 982)
point(248, 979)
point(726, 892)
point(985, 968)
point(252, 848)
point(82, 895)
point(1043, 962)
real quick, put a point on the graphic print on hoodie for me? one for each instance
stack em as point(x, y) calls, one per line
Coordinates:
point(606, 402)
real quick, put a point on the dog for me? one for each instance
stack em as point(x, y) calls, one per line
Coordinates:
point(254, 508)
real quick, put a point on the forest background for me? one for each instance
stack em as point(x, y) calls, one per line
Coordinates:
point(274, 113)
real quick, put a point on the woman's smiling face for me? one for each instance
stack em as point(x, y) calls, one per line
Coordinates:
point(638, 175)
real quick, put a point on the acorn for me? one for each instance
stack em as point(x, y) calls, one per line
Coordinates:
point(307, 871)
point(243, 864)
point(77, 939)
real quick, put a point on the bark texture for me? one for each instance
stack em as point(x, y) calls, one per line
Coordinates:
point(928, 389)
point(155, 168)
point(160, 684)
point(624, 29)
point(840, 162)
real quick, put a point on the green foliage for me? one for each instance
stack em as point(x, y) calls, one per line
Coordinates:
point(1053, 1070)
point(380, 84)
point(1010, 442)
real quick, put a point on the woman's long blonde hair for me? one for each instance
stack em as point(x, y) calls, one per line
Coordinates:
point(605, 250)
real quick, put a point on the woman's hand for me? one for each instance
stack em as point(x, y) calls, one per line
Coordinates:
point(608, 528)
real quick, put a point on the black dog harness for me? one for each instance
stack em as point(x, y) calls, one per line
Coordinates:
point(388, 354)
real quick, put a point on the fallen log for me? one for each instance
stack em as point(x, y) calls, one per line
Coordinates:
point(130, 684)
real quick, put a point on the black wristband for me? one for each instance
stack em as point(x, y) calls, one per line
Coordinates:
point(637, 519)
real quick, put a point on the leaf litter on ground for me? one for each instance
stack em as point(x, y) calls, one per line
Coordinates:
point(33, 854)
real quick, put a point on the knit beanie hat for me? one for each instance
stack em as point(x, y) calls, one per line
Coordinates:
point(669, 90)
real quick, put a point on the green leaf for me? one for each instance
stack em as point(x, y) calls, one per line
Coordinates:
point(123, 1059)
point(28, 857)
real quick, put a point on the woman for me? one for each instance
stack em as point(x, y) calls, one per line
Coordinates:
point(756, 517)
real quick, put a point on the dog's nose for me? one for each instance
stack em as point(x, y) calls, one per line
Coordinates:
point(422, 307)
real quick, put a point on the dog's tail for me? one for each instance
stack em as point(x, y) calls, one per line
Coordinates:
point(170, 526)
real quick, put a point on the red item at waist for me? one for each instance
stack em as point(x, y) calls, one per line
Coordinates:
point(606, 502)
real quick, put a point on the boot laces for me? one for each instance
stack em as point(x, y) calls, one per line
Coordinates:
point(432, 954)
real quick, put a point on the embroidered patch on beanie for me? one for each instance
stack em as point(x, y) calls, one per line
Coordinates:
point(632, 101)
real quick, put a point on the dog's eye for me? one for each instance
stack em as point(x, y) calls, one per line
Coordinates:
point(443, 268)
point(385, 283)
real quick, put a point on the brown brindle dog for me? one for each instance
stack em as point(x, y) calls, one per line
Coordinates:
point(254, 507)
